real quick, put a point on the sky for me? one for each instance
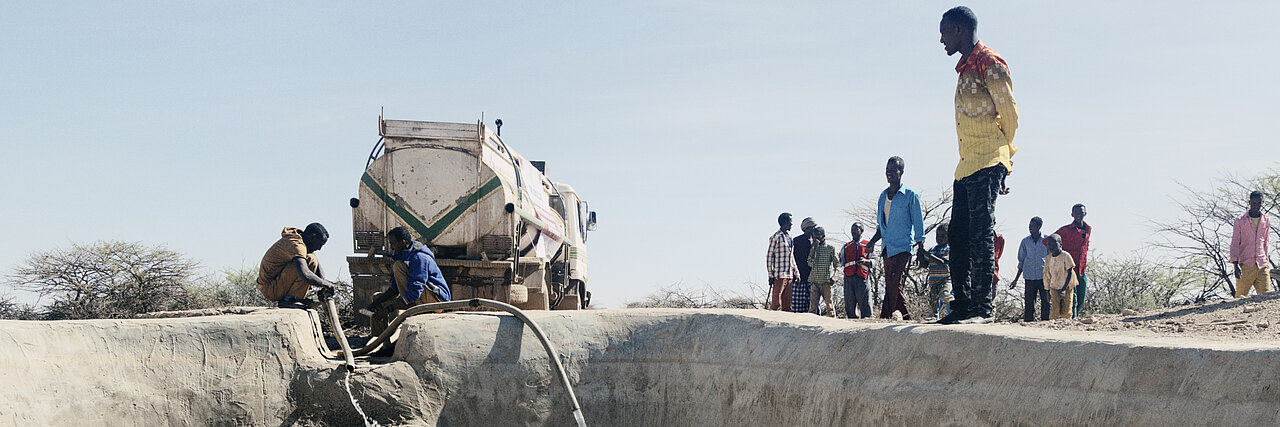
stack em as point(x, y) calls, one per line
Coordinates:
point(207, 127)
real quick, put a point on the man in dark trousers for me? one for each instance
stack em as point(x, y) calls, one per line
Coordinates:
point(986, 120)
point(856, 258)
point(900, 222)
point(1075, 240)
point(1031, 253)
point(801, 288)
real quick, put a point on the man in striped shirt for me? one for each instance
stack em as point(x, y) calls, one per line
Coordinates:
point(781, 264)
point(986, 120)
point(939, 275)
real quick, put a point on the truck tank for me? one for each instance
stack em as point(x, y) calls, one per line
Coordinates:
point(484, 210)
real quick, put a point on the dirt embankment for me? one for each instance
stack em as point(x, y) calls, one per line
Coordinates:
point(636, 367)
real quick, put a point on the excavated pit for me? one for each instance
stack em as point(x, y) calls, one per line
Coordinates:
point(628, 367)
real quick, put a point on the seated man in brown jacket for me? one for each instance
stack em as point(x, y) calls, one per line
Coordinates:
point(289, 269)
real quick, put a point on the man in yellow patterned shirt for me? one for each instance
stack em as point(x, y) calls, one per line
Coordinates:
point(986, 120)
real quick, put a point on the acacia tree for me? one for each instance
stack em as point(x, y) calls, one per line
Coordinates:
point(679, 295)
point(1133, 282)
point(105, 279)
point(9, 309)
point(1200, 238)
point(230, 287)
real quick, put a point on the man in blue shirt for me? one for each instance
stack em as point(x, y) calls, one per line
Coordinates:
point(900, 222)
point(416, 279)
point(1031, 253)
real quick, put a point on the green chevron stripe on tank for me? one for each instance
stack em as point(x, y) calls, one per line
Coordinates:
point(431, 232)
point(461, 208)
point(404, 214)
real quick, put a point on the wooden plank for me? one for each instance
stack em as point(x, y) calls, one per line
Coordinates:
point(429, 130)
point(429, 125)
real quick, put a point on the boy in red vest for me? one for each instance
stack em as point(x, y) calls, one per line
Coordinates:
point(857, 262)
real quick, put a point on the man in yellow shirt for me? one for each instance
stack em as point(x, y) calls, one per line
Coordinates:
point(290, 268)
point(986, 120)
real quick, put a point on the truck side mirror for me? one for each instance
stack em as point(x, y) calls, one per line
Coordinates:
point(591, 221)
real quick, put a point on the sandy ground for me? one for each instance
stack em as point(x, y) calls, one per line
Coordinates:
point(1256, 318)
point(1252, 319)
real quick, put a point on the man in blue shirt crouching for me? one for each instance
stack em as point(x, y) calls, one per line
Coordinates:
point(416, 279)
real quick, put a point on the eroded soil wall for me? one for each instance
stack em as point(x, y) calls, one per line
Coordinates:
point(629, 367)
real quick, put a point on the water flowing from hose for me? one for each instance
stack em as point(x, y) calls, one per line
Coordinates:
point(368, 422)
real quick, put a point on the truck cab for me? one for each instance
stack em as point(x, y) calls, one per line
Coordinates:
point(571, 266)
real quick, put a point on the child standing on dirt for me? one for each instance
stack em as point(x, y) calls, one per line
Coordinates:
point(857, 264)
point(1059, 278)
point(824, 262)
point(939, 277)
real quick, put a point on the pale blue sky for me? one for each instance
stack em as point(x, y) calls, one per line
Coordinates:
point(689, 126)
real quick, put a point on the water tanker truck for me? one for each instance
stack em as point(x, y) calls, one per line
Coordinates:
point(500, 229)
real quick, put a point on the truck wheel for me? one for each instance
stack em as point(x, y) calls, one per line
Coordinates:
point(518, 294)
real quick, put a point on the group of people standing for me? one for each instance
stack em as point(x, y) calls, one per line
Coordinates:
point(986, 122)
point(1053, 268)
point(968, 247)
point(801, 270)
